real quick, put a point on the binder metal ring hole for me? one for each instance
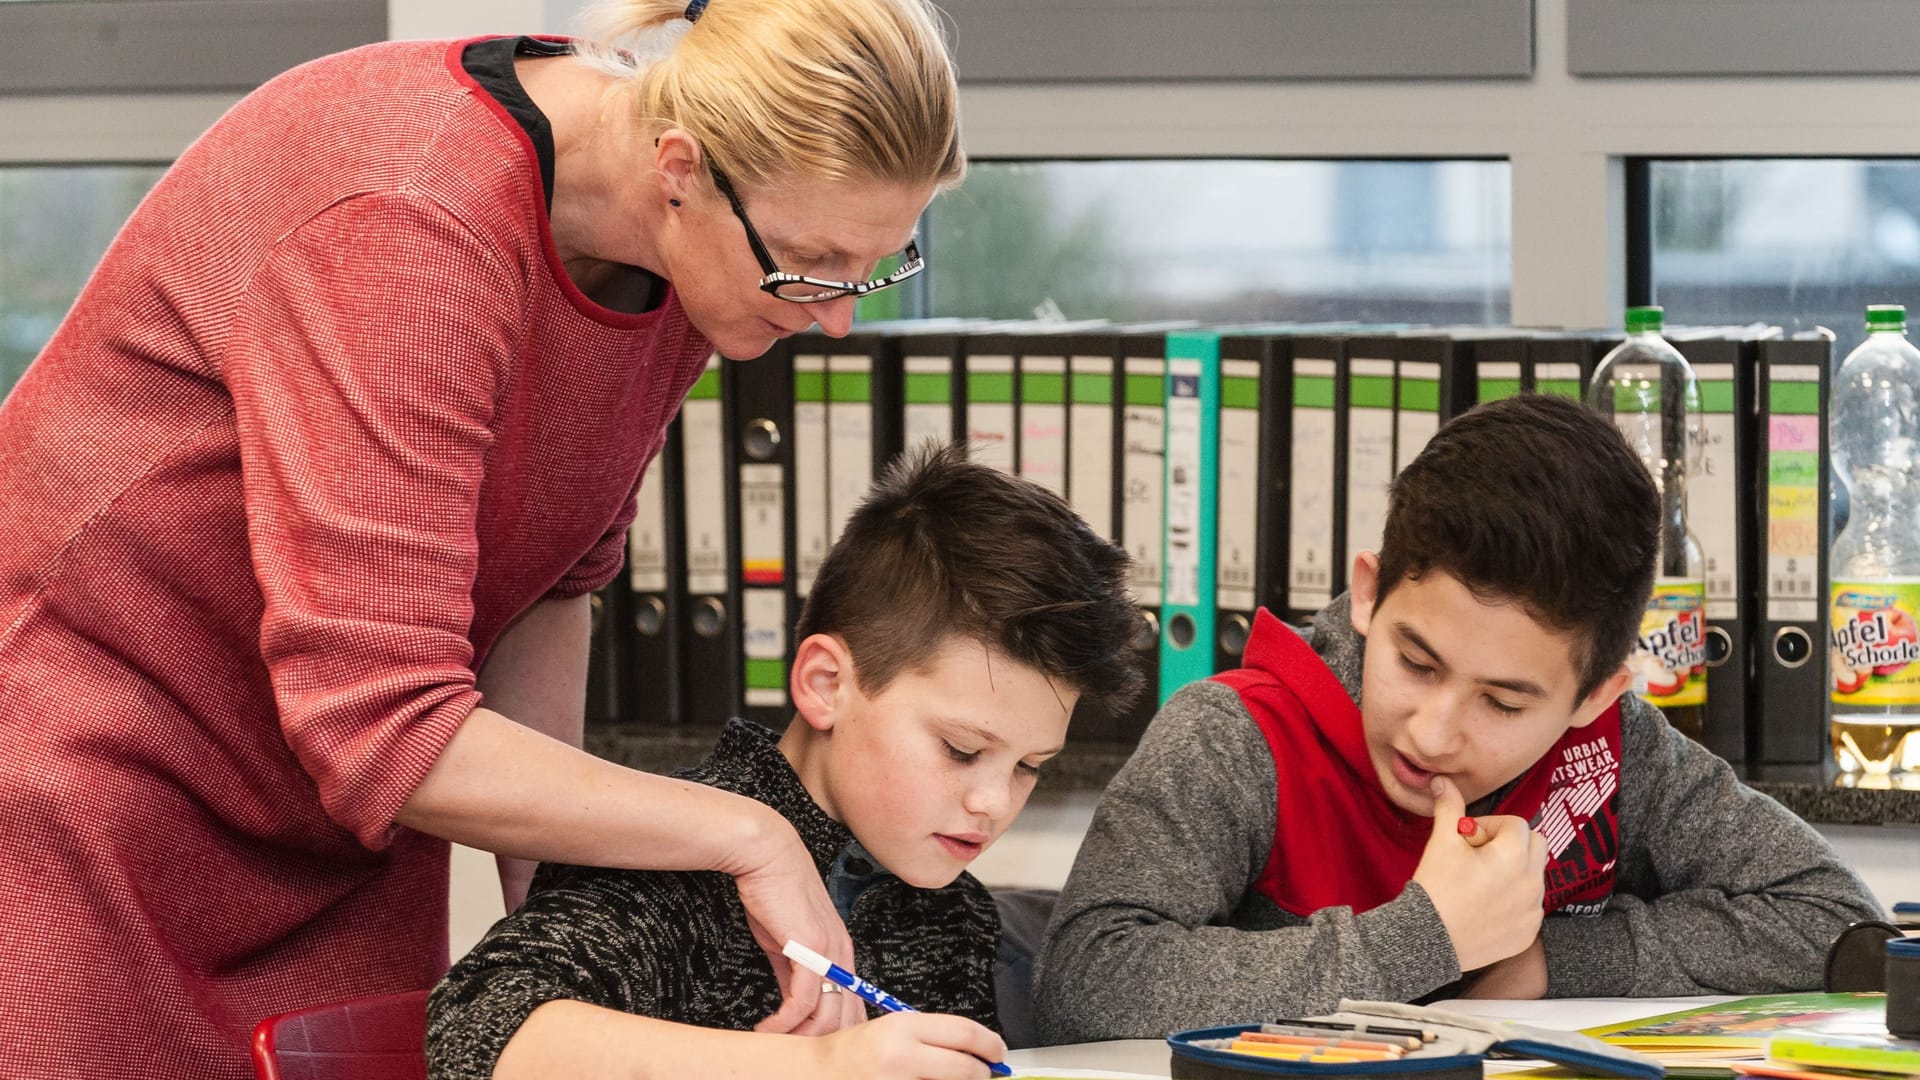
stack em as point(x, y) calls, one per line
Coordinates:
point(1719, 646)
point(1234, 634)
point(761, 440)
point(1146, 636)
point(1792, 647)
point(651, 618)
point(709, 617)
point(1181, 629)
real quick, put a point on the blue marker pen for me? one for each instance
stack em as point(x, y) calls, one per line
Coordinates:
point(868, 992)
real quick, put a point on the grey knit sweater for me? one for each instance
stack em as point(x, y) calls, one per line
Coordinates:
point(675, 945)
point(1718, 889)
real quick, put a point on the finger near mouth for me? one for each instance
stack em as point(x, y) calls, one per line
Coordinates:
point(1410, 774)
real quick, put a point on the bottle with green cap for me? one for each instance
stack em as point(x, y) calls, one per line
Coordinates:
point(1875, 564)
point(1647, 389)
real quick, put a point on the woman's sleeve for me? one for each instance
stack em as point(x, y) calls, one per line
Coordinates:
point(364, 363)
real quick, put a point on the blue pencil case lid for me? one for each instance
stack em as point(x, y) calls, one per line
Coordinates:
point(1457, 1049)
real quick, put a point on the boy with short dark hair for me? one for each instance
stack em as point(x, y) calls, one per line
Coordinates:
point(1442, 790)
point(946, 640)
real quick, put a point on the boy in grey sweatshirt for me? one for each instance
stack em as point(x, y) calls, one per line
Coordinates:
point(1443, 790)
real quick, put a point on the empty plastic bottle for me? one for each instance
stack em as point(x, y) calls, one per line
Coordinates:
point(1647, 388)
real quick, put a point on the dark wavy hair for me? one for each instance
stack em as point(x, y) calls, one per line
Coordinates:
point(944, 547)
point(1534, 499)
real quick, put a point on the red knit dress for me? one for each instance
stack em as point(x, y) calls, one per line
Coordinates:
point(328, 416)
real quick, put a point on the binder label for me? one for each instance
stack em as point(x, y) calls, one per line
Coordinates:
point(1712, 499)
point(1144, 459)
point(1875, 642)
point(1043, 421)
point(849, 438)
point(1670, 663)
point(928, 389)
point(1182, 574)
point(1310, 516)
point(703, 451)
point(1369, 454)
point(763, 647)
point(1496, 379)
point(762, 525)
point(647, 536)
point(1793, 495)
point(1560, 379)
point(1419, 416)
point(809, 468)
point(990, 411)
point(1090, 463)
point(1238, 505)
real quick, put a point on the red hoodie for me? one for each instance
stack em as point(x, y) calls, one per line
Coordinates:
point(1338, 841)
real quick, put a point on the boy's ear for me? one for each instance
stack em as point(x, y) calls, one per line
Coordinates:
point(822, 678)
point(1605, 694)
point(1365, 590)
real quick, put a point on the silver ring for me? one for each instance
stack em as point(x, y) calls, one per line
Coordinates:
point(829, 987)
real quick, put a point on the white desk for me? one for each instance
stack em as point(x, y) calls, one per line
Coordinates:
point(1572, 1014)
point(1148, 1057)
point(1140, 1057)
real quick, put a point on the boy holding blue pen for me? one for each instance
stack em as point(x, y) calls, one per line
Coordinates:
point(946, 640)
point(1443, 789)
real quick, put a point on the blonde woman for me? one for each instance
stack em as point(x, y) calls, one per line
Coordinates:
point(300, 507)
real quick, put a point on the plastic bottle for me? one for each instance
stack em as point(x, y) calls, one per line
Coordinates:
point(1647, 388)
point(1875, 564)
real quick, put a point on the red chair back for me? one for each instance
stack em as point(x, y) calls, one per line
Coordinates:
point(370, 1038)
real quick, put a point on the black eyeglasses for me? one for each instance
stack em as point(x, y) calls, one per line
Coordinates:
point(801, 289)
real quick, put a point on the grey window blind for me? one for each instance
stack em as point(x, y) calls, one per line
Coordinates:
point(146, 46)
point(1082, 40)
point(1743, 37)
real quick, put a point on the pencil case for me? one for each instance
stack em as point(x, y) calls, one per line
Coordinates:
point(1458, 1049)
point(1906, 915)
point(1857, 959)
point(1903, 989)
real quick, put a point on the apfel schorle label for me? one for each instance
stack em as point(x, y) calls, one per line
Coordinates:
point(1671, 658)
point(1875, 642)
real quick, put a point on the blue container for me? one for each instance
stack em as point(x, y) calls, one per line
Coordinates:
point(1903, 988)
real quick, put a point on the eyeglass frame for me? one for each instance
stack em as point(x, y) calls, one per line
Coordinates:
point(775, 279)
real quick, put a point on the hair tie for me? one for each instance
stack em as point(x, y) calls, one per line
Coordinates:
point(695, 9)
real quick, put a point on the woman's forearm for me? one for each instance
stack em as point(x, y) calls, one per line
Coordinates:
point(504, 788)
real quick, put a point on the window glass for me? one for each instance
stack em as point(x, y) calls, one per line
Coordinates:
point(55, 223)
point(1221, 241)
point(1799, 243)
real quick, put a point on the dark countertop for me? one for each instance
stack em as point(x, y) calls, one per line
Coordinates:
point(1088, 766)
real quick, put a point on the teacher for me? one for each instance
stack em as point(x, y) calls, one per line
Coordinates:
point(301, 506)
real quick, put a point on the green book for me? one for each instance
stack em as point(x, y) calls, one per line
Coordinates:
point(1750, 1022)
point(1883, 1054)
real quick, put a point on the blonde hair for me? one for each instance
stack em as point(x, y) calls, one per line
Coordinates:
point(778, 89)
